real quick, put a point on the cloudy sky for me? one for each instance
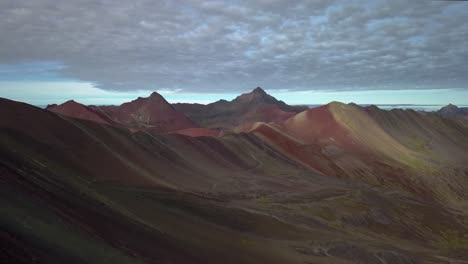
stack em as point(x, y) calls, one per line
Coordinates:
point(109, 51)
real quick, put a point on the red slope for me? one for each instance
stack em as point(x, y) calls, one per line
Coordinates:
point(319, 126)
point(319, 138)
point(307, 154)
point(77, 110)
point(379, 147)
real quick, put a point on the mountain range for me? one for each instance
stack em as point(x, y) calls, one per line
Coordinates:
point(252, 180)
point(243, 111)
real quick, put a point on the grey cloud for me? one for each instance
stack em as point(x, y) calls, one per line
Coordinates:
point(218, 46)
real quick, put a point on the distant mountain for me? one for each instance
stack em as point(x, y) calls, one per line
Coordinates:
point(458, 114)
point(153, 113)
point(259, 96)
point(451, 110)
point(77, 110)
point(157, 115)
point(240, 113)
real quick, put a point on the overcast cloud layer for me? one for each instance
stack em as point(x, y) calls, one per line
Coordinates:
point(200, 46)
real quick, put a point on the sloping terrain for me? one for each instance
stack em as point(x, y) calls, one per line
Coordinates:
point(420, 152)
point(78, 191)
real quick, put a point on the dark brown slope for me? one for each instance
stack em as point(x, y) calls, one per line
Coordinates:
point(76, 191)
point(240, 113)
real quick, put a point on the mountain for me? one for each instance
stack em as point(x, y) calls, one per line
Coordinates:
point(333, 184)
point(451, 110)
point(259, 96)
point(153, 114)
point(377, 146)
point(77, 110)
point(459, 114)
point(156, 115)
point(240, 113)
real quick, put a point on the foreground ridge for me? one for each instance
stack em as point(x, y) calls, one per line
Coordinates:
point(338, 183)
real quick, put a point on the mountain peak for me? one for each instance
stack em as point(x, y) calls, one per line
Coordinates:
point(257, 95)
point(153, 98)
point(70, 102)
point(74, 109)
point(449, 108)
point(155, 95)
point(453, 110)
point(259, 90)
point(152, 112)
